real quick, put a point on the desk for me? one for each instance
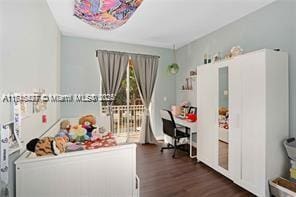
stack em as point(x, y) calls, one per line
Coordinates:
point(192, 127)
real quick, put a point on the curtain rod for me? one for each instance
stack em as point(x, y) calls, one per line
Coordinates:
point(126, 53)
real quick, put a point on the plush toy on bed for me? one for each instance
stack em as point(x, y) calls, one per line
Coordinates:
point(78, 134)
point(47, 145)
point(65, 127)
point(88, 122)
point(99, 134)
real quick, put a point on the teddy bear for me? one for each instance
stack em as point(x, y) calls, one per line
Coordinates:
point(88, 122)
point(47, 145)
point(78, 134)
point(65, 127)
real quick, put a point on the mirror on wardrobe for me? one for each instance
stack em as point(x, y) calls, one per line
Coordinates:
point(223, 118)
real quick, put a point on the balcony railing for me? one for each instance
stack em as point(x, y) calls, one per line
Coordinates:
point(124, 123)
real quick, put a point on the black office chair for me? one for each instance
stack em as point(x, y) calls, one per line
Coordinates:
point(170, 129)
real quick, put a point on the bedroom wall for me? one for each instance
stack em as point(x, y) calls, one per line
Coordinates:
point(80, 74)
point(30, 59)
point(270, 27)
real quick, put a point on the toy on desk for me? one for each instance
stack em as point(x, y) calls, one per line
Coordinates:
point(88, 122)
point(180, 110)
point(48, 145)
point(65, 127)
point(176, 110)
point(185, 108)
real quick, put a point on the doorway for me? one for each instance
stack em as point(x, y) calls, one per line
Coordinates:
point(127, 108)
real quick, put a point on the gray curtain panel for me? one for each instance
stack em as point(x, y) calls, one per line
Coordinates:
point(112, 66)
point(145, 72)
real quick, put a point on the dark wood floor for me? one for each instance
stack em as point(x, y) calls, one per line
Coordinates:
point(162, 176)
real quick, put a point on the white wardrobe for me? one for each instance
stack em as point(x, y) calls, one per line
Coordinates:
point(248, 95)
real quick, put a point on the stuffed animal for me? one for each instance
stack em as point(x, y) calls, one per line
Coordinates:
point(88, 122)
point(223, 111)
point(65, 127)
point(47, 145)
point(98, 133)
point(78, 134)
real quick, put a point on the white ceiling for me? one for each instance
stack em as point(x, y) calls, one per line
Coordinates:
point(160, 23)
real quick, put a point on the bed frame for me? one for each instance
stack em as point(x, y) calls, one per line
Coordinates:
point(103, 172)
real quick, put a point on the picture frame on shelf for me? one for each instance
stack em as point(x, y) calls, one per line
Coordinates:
point(192, 110)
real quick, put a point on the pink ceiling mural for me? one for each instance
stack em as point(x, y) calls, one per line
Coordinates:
point(105, 14)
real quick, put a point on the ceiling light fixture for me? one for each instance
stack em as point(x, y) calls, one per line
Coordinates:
point(105, 14)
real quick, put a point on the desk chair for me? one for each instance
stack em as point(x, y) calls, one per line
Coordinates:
point(170, 129)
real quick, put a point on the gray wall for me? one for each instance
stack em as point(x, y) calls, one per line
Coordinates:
point(80, 74)
point(270, 27)
point(30, 59)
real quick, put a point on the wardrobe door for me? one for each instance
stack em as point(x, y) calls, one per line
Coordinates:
point(207, 105)
point(253, 122)
point(235, 102)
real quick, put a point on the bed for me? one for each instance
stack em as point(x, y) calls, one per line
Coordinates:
point(102, 172)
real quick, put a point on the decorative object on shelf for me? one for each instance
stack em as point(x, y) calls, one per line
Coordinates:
point(235, 51)
point(188, 84)
point(205, 59)
point(216, 57)
point(105, 14)
point(193, 73)
point(174, 67)
point(227, 56)
point(188, 80)
point(209, 59)
point(277, 49)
